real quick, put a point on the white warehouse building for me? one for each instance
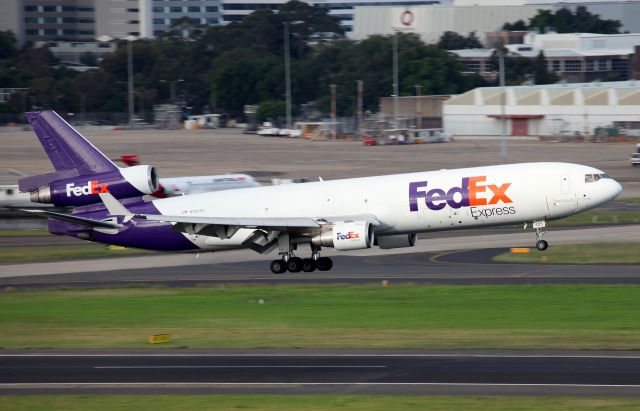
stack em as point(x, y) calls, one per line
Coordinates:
point(544, 110)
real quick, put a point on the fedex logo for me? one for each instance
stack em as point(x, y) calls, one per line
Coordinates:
point(348, 236)
point(92, 187)
point(473, 191)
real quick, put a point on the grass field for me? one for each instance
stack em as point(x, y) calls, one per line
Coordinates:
point(312, 403)
point(397, 316)
point(599, 218)
point(23, 232)
point(596, 253)
point(63, 252)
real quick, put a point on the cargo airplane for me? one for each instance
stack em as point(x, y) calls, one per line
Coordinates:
point(350, 214)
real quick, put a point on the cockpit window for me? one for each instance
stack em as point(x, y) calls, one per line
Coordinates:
point(590, 178)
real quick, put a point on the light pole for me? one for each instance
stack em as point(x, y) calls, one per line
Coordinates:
point(503, 124)
point(287, 69)
point(333, 111)
point(360, 92)
point(418, 106)
point(130, 40)
point(395, 81)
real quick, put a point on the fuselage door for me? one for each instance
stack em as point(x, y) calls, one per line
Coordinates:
point(565, 187)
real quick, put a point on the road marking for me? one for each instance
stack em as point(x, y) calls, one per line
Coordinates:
point(127, 367)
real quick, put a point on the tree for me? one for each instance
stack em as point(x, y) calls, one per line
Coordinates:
point(540, 74)
point(566, 21)
point(454, 41)
point(519, 25)
point(271, 110)
point(8, 43)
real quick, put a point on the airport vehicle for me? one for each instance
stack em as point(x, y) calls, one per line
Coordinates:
point(634, 159)
point(350, 214)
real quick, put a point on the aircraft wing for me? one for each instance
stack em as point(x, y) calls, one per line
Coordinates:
point(73, 219)
point(252, 222)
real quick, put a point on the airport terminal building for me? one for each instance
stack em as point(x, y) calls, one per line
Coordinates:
point(563, 110)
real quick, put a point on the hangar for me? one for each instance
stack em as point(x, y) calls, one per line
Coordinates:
point(544, 110)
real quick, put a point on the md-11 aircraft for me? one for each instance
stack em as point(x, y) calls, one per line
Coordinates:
point(350, 214)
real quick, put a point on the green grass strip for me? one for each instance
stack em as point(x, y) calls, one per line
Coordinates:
point(311, 403)
point(598, 218)
point(595, 253)
point(28, 232)
point(62, 252)
point(336, 316)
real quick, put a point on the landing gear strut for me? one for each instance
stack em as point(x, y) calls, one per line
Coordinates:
point(539, 227)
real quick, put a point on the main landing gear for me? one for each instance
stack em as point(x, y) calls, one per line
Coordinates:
point(296, 264)
point(289, 262)
point(539, 227)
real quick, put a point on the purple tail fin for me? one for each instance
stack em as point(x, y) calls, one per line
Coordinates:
point(70, 153)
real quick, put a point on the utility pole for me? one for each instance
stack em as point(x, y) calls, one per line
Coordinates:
point(130, 81)
point(418, 106)
point(360, 92)
point(333, 111)
point(395, 82)
point(287, 73)
point(503, 124)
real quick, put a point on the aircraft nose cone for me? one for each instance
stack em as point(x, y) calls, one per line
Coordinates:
point(616, 188)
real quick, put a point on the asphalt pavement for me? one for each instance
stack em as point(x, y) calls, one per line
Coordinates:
point(315, 371)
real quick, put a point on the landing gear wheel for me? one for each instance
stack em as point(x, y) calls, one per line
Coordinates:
point(294, 265)
point(308, 265)
point(324, 263)
point(542, 245)
point(278, 266)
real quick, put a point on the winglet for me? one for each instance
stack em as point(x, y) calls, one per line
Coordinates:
point(114, 207)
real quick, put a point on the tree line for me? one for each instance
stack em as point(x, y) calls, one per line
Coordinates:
point(223, 68)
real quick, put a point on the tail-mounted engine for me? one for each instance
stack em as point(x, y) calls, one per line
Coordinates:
point(82, 190)
point(343, 236)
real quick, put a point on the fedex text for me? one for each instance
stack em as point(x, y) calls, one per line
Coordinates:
point(472, 192)
point(92, 187)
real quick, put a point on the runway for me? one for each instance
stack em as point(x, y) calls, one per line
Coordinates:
point(312, 371)
point(457, 258)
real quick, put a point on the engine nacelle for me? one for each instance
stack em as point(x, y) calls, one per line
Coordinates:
point(396, 241)
point(82, 190)
point(343, 236)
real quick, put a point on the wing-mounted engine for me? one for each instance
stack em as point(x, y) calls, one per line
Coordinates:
point(85, 189)
point(396, 241)
point(347, 235)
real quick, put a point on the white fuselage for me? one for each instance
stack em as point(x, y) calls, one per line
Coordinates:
point(414, 202)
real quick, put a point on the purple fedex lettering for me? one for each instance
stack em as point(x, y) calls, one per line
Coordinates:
point(414, 194)
point(437, 198)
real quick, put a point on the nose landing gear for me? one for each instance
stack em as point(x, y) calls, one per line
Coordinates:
point(539, 227)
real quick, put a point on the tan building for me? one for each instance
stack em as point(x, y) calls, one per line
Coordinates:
point(419, 112)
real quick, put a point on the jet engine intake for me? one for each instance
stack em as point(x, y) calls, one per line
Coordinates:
point(347, 235)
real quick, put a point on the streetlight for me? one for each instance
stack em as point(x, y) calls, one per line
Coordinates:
point(130, 39)
point(503, 124)
point(287, 69)
point(395, 81)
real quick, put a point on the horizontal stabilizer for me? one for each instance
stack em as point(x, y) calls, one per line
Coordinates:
point(73, 219)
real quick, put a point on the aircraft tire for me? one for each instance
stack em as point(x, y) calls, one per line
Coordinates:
point(278, 266)
point(308, 265)
point(542, 245)
point(294, 265)
point(324, 263)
